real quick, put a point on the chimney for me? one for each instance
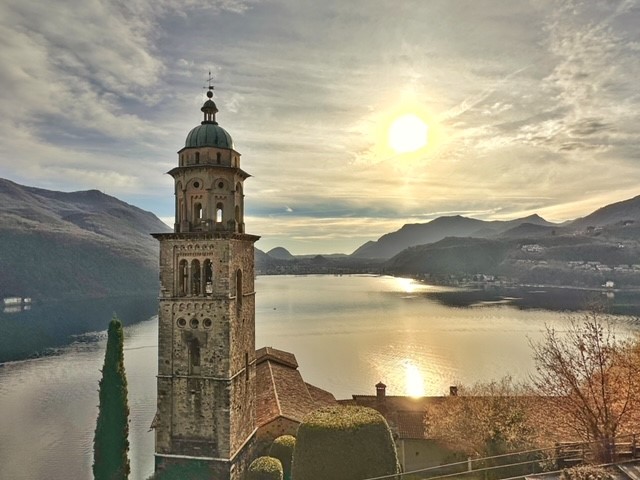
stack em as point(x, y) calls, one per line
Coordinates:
point(453, 391)
point(381, 391)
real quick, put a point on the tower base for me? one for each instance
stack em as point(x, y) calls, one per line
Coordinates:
point(197, 468)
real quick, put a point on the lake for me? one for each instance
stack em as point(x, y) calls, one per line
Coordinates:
point(347, 333)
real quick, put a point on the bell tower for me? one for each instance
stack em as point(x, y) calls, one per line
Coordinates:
point(206, 331)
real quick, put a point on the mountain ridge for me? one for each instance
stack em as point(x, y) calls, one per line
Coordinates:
point(86, 243)
point(413, 234)
point(621, 213)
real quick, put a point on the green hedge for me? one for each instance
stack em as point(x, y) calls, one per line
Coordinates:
point(282, 449)
point(344, 443)
point(265, 468)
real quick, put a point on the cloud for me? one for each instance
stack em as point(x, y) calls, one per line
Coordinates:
point(530, 105)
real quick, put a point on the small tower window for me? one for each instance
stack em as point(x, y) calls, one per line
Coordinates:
point(219, 213)
point(197, 157)
point(182, 277)
point(195, 277)
point(239, 288)
point(218, 157)
point(197, 213)
point(194, 356)
point(208, 277)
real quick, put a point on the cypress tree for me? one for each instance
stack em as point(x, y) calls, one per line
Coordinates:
point(111, 442)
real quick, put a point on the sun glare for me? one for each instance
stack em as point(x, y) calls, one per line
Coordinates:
point(414, 380)
point(408, 133)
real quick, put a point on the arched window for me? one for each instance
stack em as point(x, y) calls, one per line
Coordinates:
point(239, 188)
point(195, 277)
point(218, 157)
point(207, 270)
point(182, 277)
point(197, 157)
point(194, 356)
point(219, 213)
point(197, 213)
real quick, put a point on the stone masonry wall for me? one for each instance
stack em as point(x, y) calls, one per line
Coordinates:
point(206, 407)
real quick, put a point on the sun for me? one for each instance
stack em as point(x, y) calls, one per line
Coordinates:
point(408, 133)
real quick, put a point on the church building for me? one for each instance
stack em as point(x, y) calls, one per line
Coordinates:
point(220, 402)
point(206, 334)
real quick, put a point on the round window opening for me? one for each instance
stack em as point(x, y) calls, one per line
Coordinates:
point(194, 323)
point(207, 323)
point(182, 322)
point(220, 185)
point(196, 184)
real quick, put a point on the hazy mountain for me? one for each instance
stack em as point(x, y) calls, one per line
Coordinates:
point(56, 244)
point(452, 255)
point(259, 255)
point(530, 230)
point(414, 234)
point(280, 253)
point(627, 211)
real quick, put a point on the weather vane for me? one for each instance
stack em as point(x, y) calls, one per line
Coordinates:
point(210, 87)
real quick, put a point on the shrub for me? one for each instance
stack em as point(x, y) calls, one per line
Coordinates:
point(344, 443)
point(282, 449)
point(586, 472)
point(265, 468)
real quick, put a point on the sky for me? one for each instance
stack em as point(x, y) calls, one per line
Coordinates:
point(529, 106)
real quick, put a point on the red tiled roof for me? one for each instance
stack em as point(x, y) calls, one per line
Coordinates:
point(410, 425)
point(275, 355)
point(280, 389)
point(405, 415)
point(321, 397)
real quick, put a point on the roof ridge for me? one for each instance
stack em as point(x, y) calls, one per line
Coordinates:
point(275, 389)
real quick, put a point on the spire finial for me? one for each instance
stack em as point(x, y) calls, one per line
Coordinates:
point(210, 87)
point(209, 108)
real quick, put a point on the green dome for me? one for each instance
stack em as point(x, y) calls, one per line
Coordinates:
point(209, 135)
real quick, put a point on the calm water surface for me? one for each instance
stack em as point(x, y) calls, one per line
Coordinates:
point(347, 333)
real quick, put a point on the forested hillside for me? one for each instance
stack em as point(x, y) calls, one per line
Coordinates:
point(58, 245)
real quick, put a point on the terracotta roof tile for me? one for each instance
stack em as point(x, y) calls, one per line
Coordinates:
point(269, 353)
point(405, 415)
point(410, 425)
point(280, 389)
